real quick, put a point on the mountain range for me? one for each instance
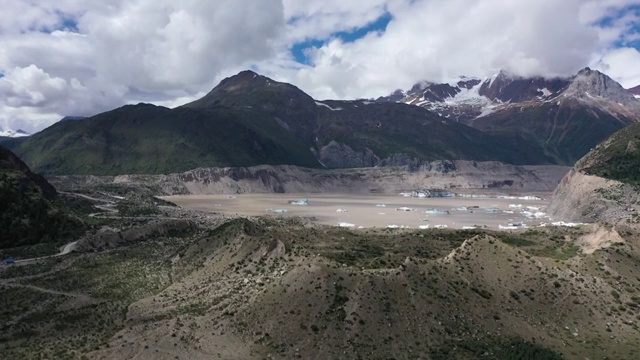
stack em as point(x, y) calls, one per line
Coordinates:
point(249, 119)
point(561, 118)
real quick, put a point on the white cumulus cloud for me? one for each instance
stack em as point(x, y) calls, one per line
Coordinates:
point(80, 57)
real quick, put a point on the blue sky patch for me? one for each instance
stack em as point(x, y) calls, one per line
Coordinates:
point(298, 50)
point(609, 21)
point(67, 22)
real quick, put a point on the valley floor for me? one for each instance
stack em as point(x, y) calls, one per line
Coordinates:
point(381, 210)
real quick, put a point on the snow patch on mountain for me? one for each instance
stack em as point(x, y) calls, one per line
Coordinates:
point(327, 106)
point(469, 96)
point(12, 133)
point(545, 92)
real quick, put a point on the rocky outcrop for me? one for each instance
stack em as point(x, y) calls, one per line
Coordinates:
point(587, 198)
point(603, 186)
point(592, 84)
point(342, 156)
point(335, 155)
point(111, 239)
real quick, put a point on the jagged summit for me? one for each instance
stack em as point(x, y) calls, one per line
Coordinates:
point(467, 99)
point(590, 83)
point(562, 117)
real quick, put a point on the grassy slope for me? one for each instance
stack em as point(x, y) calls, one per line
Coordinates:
point(559, 134)
point(617, 158)
point(149, 139)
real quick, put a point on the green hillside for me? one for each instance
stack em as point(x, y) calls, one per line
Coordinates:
point(617, 158)
point(27, 213)
point(556, 134)
point(152, 140)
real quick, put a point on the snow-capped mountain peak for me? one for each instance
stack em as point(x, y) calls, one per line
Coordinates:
point(467, 99)
point(12, 133)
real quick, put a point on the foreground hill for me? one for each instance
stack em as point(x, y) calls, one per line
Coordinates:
point(252, 120)
point(283, 289)
point(605, 184)
point(559, 120)
point(27, 213)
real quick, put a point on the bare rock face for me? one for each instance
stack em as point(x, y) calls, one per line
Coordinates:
point(587, 198)
point(335, 155)
point(594, 86)
point(603, 185)
point(453, 175)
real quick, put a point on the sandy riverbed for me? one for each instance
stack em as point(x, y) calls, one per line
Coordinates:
point(365, 210)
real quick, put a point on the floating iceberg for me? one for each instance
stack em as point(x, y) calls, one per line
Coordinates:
point(437, 212)
point(277, 211)
point(562, 223)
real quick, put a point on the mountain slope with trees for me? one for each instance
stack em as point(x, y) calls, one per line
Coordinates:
point(28, 215)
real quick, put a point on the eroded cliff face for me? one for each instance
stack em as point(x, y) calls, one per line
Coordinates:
point(586, 198)
point(342, 156)
point(335, 155)
point(454, 175)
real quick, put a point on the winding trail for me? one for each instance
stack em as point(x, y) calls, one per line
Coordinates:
point(86, 197)
point(64, 250)
point(48, 291)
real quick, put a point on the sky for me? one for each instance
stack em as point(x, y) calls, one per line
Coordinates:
point(81, 57)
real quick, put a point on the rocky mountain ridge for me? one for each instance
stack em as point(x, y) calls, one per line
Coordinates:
point(560, 119)
point(250, 120)
point(467, 99)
